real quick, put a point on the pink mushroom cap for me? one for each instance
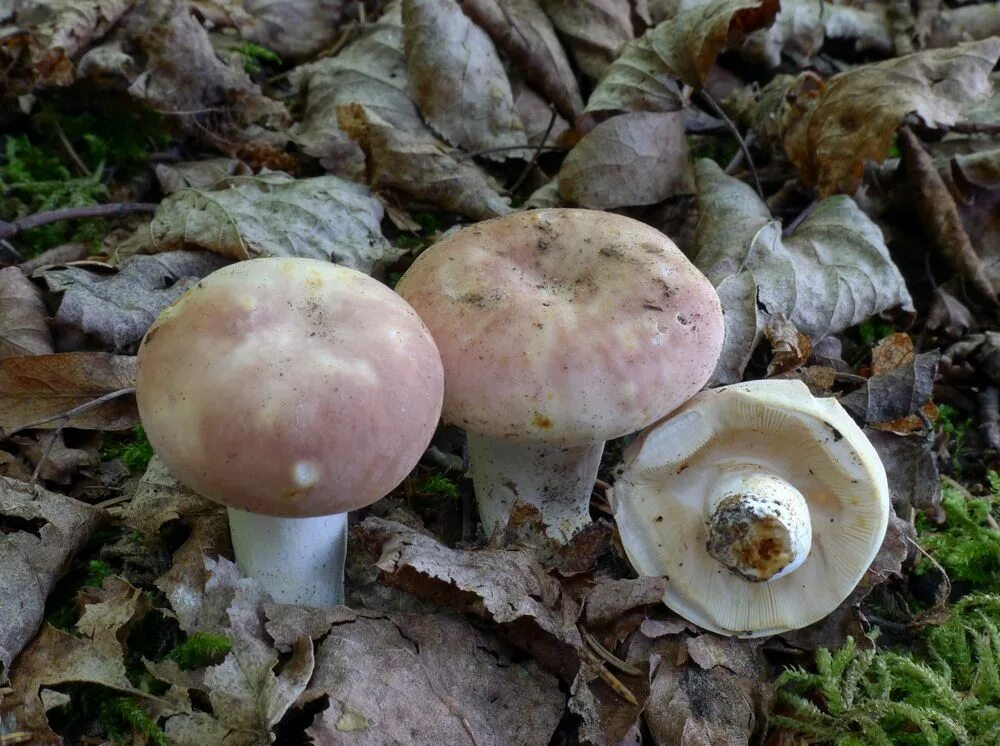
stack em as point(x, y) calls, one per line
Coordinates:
point(289, 387)
point(565, 325)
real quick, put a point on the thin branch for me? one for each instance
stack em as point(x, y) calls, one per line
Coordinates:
point(68, 147)
point(7, 230)
point(595, 665)
point(717, 110)
point(70, 413)
point(45, 455)
point(800, 218)
point(538, 152)
point(975, 128)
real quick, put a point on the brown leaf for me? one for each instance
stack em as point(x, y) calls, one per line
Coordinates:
point(611, 598)
point(61, 462)
point(522, 30)
point(948, 314)
point(184, 78)
point(536, 113)
point(458, 79)
point(790, 348)
point(40, 386)
point(891, 352)
point(160, 498)
point(857, 113)
point(421, 167)
point(953, 25)
point(23, 327)
point(428, 679)
point(525, 530)
point(630, 159)
point(638, 80)
point(294, 29)
point(939, 215)
point(506, 587)
point(594, 30)
point(198, 174)
point(40, 532)
point(118, 309)
point(899, 393)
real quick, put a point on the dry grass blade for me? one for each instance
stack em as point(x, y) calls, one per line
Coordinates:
point(608, 656)
point(594, 663)
point(939, 214)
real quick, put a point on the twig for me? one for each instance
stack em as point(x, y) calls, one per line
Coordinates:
point(975, 128)
point(68, 147)
point(538, 152)
point(989, 416)
point(8, 230)
point(944, 573)
point(112, 502)
point(849, 378)
point(717, 110)
point(505, 149)
point(737, 159)
point(607, 677)
point(70, 413)
point(800, 218)
point(608, 656)
point(45, 455)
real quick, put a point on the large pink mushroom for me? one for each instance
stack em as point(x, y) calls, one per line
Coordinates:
point(560, 329)
point(291, 391)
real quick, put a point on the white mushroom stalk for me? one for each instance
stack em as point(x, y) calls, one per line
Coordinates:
point(291, 391)
point(762, 504)
point(560, 329)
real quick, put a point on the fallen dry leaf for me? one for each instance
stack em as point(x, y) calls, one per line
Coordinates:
point(421, 167)
point(896, 394)
point(631, 159)
point(40, 532)
point(790, 348)
point(428, 678)
point(40, 386)
point(522, 30)
point(198, 174)
point(610, 598)
point(294, 29)
point(244, 217)
point(458, 78)
point(536, 115)
point(23, 325)
point(160, 498)
point(118, 309)
point(594, 30)
point(638, 80)
point(833, 272)
point(61, 463)
point(949, 26)
point(856, 114)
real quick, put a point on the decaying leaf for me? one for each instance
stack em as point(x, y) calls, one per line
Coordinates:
point(428, 678)
point(421, 167)
point(609, 599)
point(245, 217)
point(458, 79)
point(294, 29)
point(536, 115)
point(522, 30)
point(40, 386)
point(59, 462)
point(198, 174)
point(911, 468)
point(854, 116)
point(118, 309)
point(160, 497)
point(951, 25)
point(638, 80)
point(594, 30)
point(631, 159)
point(790, 348)
point(40, 532)
point(23, 327)
point(895, 394)
point(833, 272)
point(507, 587)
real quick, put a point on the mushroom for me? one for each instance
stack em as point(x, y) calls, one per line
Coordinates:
point(763, 506)
point(291, 391)
point(560, 329)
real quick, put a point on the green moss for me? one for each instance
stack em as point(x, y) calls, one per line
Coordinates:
point(134, 450)
point(121, 718)
point(438, 485)
point(255, 56)
point(965, 545)
point(956, 426)
point(949, 695)
point(873, 330)
point(199, 650)
point(97, 572)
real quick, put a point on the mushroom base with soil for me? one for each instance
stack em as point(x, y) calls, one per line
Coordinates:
point(296, 560)
point(557, 480)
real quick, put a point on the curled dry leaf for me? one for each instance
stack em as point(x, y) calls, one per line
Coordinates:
point(117, 310)
point(854, 116)
point(23, 324)
point(458, 78)
point(833, 272)
point(272, 214)
point(428, 679)
point(522, 30)
point(631, 159)
point(507, 587)
point(896, 394)
point(40, 532)
point(40, 386)
point(421, 167)
point(198, 174)
point(638, 80)
point(790, 348)
point(594, 30)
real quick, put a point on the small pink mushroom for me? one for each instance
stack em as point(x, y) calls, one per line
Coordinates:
point(560, 329)
point(291, 391)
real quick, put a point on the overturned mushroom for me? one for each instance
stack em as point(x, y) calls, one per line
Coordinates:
point(763, 506)
point(291, 391)
point(560, 329)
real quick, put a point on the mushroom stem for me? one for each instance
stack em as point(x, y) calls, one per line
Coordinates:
point(297, 560)
point(758, 524)
point(557, 480)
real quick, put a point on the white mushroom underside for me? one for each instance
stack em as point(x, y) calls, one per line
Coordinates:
point(660, 510)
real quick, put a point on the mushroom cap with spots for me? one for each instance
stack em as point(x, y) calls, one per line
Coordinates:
point(774, 431)
point(564, 325)
point(289, 387)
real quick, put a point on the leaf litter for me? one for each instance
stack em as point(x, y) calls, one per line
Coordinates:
point(358, 134)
